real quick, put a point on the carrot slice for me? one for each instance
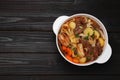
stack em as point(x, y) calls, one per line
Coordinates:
point(69, 51)
point(64, 48)
point(75, 60)
point(69, 58)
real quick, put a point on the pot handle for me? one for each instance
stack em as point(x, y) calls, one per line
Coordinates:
point(58, 22)
point(105, 56)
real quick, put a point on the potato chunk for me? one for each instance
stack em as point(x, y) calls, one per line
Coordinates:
point(83, 60)
point(96, 33)
point(72, 25)
point(89, 31)
point(80, 50)
point(101, 41)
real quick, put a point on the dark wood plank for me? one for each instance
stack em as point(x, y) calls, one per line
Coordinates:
point(48, 77)
point(27, 26)
point(27, 42)
point(34, 6)
point(50, 64)
point(39, 15)
point(58, 7)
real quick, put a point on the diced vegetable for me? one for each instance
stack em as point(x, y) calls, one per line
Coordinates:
point(73, 55)
point(72, 25)
point(69, 51)
point(64, 48)
point(89, 21)
point(83, 60)
point(69, 57)
point(80, 50)
point(72, 39)
point(64, 39)
point(89, 31)
point(92, 41)
point(96, 33)
point(74, 45)
point(80, 27)
point(82, 35)
point(101, 41)
point(75, 60)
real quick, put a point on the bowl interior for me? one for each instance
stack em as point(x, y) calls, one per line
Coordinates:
point(104, 32)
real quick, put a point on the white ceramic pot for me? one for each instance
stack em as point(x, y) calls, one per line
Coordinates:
point(107, 50)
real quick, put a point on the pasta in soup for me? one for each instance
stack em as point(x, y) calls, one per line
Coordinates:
point(81, 39)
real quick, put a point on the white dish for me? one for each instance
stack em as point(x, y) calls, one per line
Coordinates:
point(107, 50)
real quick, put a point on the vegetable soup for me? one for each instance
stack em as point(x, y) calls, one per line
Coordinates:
point(81, 39)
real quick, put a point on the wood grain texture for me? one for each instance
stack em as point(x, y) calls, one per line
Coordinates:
point(25, 61)
point(17, 41)
point(29, 15)
point(45, 64)
point(27, 43)
point(47, 77)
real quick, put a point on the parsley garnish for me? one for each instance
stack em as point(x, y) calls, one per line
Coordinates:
point(77, 35)
point(93, 35)
point(86, 37)
point(91, 53)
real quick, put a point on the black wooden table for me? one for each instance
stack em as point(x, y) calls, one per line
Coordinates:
point(27, 42)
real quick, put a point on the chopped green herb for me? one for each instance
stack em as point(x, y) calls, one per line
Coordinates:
point(88, 58)
point(77, 35)
point(91, 53)
point(88, 34)
point(74, 49)
point(76, 54)
point(93, 35)
point(86, 38)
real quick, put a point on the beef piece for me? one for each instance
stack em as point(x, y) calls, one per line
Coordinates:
point(77, 30)
point(83, 20)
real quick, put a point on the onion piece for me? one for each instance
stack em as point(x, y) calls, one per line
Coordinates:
point(80, 50)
